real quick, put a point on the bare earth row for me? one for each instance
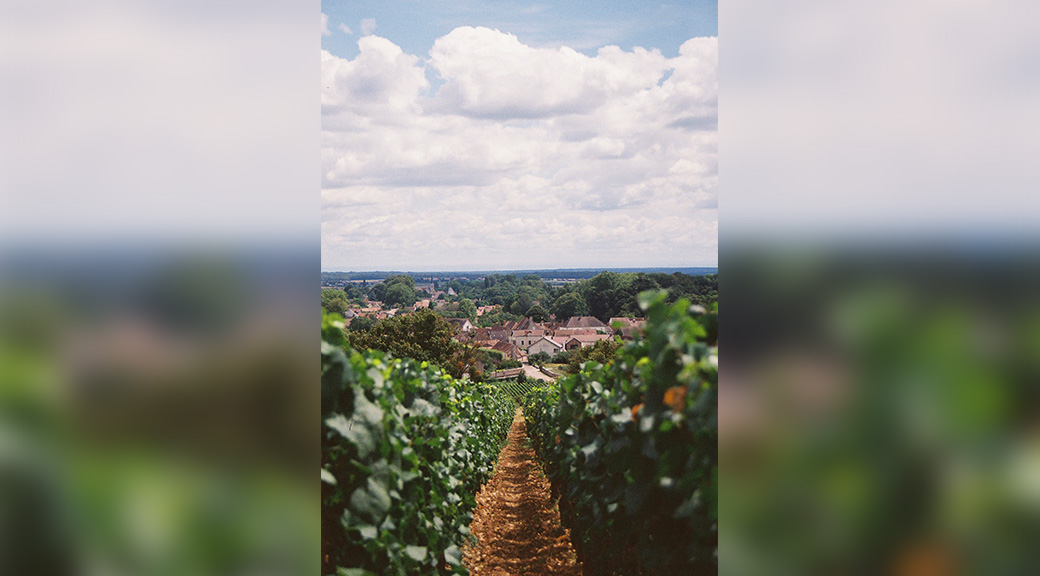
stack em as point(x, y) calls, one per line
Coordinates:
point(516, 523)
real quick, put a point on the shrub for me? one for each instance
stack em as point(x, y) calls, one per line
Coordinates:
point(538, 358)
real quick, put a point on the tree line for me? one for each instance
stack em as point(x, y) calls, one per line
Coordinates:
point(606, 295)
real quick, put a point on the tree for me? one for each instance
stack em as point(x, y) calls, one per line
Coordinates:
point(605, 294)
point(525, 298)
point(377, 292)
point(422, 336)
point(538, 314)
point(602, 351)
point(399, 295)
point(464, 361)
point(352, 291)
point(498, 316)
point(400, 279)
point(362, 323)
point(639, 283)
point(334, 300)
point(569, 305)
point(468, 309)
point(490, 358)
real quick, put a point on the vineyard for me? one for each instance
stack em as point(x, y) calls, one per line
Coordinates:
point(628, 450)
point(631, 448)
point(405, 448)
point(517, 390)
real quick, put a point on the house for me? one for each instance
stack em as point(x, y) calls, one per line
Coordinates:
point(478, 335)
point(586, 322)
point(544, 344)
point(585, 340)
point(528, 324)
point(499, 333)
point(508, 350)
point(524, 338)
point(629, 326)
point(462, 325)
point(568, 332)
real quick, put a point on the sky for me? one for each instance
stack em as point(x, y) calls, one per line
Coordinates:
point(515, 135)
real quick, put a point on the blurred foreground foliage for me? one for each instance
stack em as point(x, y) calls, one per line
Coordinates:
point(631, 447)
point(149, 427)
point(881, 414)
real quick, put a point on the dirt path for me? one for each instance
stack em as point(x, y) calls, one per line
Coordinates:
point(533, 372)
point(516, 523)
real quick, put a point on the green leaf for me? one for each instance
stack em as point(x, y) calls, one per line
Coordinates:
point(416, 553)
point(327, 477)
point(589, 450)
point(371, 501)
point(423, 408)
point(353, 572)
point(364, 429)
point(452, 555)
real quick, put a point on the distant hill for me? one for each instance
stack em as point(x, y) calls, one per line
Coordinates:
point(569, 273)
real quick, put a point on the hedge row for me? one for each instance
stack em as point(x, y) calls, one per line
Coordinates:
point(405, 448)
point(631, 448)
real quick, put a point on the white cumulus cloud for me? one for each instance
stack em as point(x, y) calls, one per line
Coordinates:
point(518, 156)
point(492, 74)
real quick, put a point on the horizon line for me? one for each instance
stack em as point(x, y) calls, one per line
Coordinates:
point(475, 270)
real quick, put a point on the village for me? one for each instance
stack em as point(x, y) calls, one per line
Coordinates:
point(515, 340)
point(520, 340)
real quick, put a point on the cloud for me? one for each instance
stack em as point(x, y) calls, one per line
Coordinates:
point(518, 156)
point(346, 29)
point(380, 80)
point(325, 25)
point(492, 74)
point(368, 26)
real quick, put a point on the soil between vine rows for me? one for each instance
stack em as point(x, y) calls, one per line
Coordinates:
point(516, 523)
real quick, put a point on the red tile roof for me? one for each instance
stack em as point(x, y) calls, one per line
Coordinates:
point(584, 322)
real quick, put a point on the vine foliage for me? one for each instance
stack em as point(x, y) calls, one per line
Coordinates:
point(405, 449)
point(631, 447)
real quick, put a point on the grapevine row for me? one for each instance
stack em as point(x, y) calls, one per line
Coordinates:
point(631, 448)
point(405, 449)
